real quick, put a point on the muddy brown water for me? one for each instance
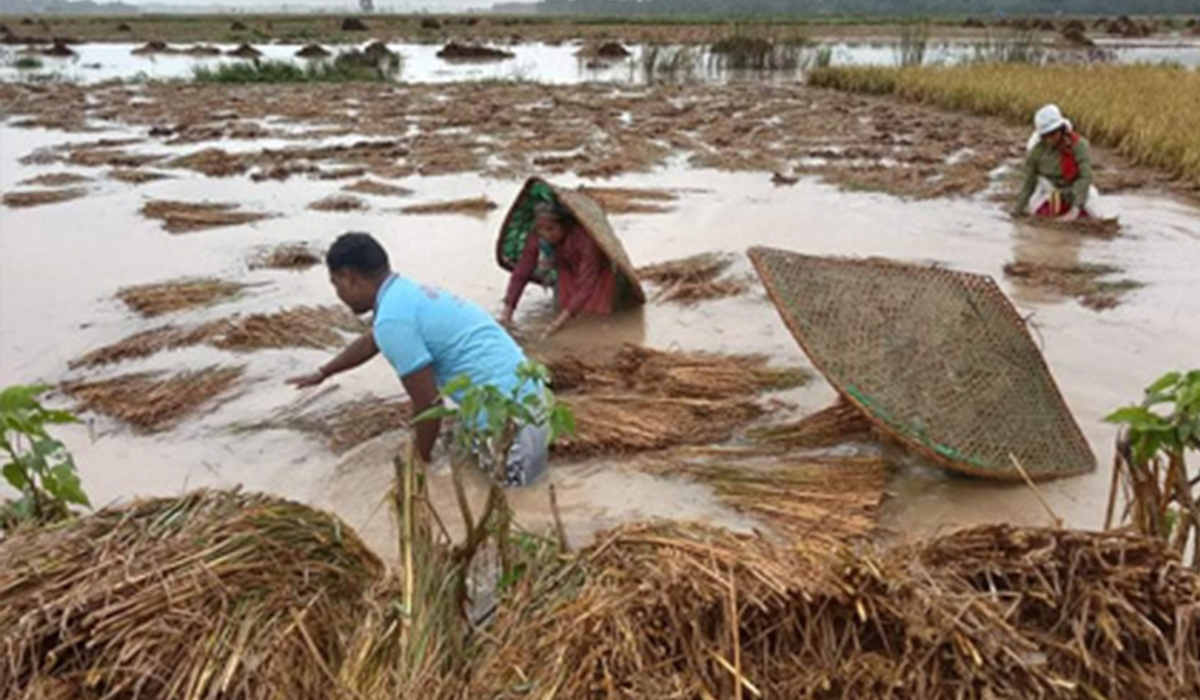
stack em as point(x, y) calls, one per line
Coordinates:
point(61, 264)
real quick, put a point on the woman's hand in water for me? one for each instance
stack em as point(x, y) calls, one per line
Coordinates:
point(506, 316)
point(1071, 215)
point(556, 325)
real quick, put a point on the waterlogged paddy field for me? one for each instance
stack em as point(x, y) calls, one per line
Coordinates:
point(872, 177)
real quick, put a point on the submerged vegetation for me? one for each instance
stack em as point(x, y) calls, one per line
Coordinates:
point(1147, 113)
point(347, 67)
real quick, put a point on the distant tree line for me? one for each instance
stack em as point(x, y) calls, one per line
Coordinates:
point(993, 8)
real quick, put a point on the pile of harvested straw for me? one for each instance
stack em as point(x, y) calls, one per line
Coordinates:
point(627, 423)
point(683, 611)
point(214, 594)
point(299, 327)
point(645, 399)
point(165, 297)
point(185, 217)
point(674, 373)
point(474, 206)
point(627, 200)
point(698, 278)
point(346, 425)
point(154, 401)
point(827, 500)
point(288, 256)
point(841, 422)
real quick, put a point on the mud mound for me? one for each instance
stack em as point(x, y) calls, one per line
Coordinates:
point(606, 51)
point(244, 51)
point(156, 594)
point(455, 51)
point(475, 206)
point(165, 297)
point(37, 198)
point(1082, 281)
point(185, 217)
point(154, 401)
point(313, 51)
point(339, 203)
point(353, 24)
point(151, 48)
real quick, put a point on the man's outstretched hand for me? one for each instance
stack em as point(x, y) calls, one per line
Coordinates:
point(306, 381)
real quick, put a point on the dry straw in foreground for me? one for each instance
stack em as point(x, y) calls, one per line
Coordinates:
point(212, 595)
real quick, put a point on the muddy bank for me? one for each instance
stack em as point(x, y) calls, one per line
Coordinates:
point(507, 131)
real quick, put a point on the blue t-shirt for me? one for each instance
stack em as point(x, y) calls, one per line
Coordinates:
point(417, 325)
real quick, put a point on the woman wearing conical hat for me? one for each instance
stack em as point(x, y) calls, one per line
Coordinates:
point(1058, 171)
point(584, 278)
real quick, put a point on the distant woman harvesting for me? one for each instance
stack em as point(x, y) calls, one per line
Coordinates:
point(1058, 171)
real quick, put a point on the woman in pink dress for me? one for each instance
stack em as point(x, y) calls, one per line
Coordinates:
point(586, 282)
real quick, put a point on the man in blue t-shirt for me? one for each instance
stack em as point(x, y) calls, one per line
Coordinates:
point(430, 337)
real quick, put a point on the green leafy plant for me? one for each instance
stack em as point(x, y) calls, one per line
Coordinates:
point(1151, 466)
point(38, 465)
point(488, 418)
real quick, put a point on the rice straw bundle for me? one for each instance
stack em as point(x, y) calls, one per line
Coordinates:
point(682, 611)
point(626, 423)
point(346, 425)
point(303, 326)
point(213, 594)
point(164, 297)
point(696, 278)
point(816, 499)
point(672, 373)
point(839, 423)
point(154, 401)
point(288, 256)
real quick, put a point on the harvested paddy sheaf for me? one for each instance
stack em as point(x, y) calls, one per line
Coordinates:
point(165, 297)
point(1082, 281)
point(214, 594)
point(319, 327)
point(136, 177)
point(286, 256)
point(475, 206)
point(213, 162)
point(808, 499)
point(55, 180)
point(697, 278)
point(375, 187)
point(839, 423)
point(644, 399)
point(684, 611)
point(340, 203)
point(154, 401)
point(506, 130)
point(1108, 104)
point(653, 372)
point(185, 217)
point(1098, 227)
point(345, 425)
point(38, 198)
point(624, 200)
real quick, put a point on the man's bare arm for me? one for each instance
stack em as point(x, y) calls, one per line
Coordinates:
point(355, 354)
point(422, 390)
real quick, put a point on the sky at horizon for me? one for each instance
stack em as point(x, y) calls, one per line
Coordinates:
point(251, 5)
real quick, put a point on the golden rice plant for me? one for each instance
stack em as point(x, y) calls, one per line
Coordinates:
point(1147, 113)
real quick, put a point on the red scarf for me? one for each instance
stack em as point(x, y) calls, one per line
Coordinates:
point(1066, 154)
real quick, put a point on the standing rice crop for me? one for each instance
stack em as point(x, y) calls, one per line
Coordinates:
point(1147, 113)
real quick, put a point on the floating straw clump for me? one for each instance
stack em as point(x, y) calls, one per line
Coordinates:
point(154, 401)
point(165, 297)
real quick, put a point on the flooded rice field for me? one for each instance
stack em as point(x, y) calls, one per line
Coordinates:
point(152, 183)
point(563, 63)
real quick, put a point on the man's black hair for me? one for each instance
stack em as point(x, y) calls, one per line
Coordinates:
point(359, 252)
